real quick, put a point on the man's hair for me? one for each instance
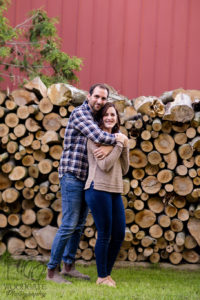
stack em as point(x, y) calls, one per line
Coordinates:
point(101, 86)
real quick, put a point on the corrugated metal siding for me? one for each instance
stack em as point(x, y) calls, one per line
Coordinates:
point(140, 47)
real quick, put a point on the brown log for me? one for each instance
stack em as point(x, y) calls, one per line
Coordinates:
point(129, 215)
point(191, 256)
point(33, 171)
point(195, 143)
point(134, 228)
point(25, 231)
point(87, 254)
point(155, 231)
point(39, 155)
point(132, 255)
point(10, 195)
point(55, 152)
point(148, 251)
point(27, 141)
point(181, 170)
point(164, 176)
point(53, 177)
point(137, 158)
point(3, 130)
point(83, 245)
point(150, 185)
point(11, 120)
point(140, 234)
point(44, 216)
point(138, 173)
point(190, 242)
point(193, 226)
point(171, 160)
point(37, 86)
point(8, 166)
point(3, 221)
point(154, 157)
point(164, 221)
point(145, 218)
point(179, 201)
point(23, 97)
point(45, 236)
point(164, 143)
point(183, 214)
point(151, 170)
point(170, 210)
point(32, 125)
point(154, 258)
point(15, 246)
point(191, 132)
point(161, 243)
point(138, 204)
point(180, 138)
point(131, 143)
point(148, 241)
point(175, 258)
point(180, 238)
point(151, 106)
point(128, 235)
point(185, 151)
point(146, 146)
point(176, 225)
point(2, 248)
point(50, 137)
point(182, 185)
point(180, 110)
point(52, 121)
point(28, 217)
point(169, 235)
point(13, 219)
point(145, 135)
point(155, 204)
point(45, 166)
point(40, 201)
point(57, 206)
point(157, 124)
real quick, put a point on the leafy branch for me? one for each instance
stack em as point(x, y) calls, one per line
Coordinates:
point(33, 48)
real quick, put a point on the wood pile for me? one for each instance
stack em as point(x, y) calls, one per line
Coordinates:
point(161, 190)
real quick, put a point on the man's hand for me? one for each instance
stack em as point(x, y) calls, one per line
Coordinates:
point(102, 151)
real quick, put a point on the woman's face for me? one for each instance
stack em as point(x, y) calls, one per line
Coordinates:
point(109, 119)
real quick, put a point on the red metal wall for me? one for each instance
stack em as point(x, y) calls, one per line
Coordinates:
point(140, 47)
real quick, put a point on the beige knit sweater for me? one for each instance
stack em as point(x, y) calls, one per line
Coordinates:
point(107, 173)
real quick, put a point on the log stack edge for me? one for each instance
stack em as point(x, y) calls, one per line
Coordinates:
point(161, 190)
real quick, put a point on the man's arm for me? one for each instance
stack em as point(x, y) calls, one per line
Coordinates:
point(84, 122)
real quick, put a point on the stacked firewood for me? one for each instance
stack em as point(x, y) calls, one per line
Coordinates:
point(161, 190)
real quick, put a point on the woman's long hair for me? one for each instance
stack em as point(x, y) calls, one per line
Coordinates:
point(103, 111)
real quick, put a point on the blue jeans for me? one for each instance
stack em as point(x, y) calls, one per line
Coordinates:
point(108, 213)
point(74, 213)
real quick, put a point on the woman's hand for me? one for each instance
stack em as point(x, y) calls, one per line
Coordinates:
point(120, 137)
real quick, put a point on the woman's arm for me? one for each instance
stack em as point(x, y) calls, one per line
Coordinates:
point(107, 163)
point(125, 160)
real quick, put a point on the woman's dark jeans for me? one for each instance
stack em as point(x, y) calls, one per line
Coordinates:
point(108, 213)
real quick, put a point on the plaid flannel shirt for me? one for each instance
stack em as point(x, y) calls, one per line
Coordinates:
point(81, 126)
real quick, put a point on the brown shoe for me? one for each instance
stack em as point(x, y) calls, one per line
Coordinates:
point(54, 275)
point(69, 270)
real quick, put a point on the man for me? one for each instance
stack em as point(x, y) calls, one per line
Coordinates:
point(73, 174)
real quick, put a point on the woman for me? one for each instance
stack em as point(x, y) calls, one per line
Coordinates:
point(103, 195)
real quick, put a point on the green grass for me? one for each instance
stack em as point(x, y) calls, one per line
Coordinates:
point(26, 280)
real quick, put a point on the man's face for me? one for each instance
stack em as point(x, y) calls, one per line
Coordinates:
point(98, 99)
